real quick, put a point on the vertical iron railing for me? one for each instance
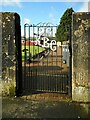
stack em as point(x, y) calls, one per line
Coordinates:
point(41, 74)
point(18, 55)
point(70, 61)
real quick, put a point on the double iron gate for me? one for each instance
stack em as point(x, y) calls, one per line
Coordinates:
point(42, 66)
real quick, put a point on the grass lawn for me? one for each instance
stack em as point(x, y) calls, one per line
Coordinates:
point(33, 50)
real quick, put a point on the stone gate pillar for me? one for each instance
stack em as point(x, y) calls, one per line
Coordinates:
point(81, 57)
point(11, 53)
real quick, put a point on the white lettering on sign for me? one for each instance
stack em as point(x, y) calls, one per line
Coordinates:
point(46, 43)
point(53, 45)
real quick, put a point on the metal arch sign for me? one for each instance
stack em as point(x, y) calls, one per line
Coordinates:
point(42, 32)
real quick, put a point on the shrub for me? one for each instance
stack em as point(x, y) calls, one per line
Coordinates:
point(8, 88)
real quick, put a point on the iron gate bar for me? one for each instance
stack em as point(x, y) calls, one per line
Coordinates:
point(18, 55)
point(26, 63)
point(33, 54)
point(30, 57)
point(24, 56)
point(70, 60)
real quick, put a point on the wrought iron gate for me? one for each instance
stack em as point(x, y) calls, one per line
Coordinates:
point(42, 66)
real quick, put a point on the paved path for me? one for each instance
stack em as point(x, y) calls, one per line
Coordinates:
point(22, 108)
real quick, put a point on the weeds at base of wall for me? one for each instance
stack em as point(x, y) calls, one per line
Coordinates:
point(8, 88)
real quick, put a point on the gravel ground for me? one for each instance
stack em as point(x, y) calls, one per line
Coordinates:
point(25, 107)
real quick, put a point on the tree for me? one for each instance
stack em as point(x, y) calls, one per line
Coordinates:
point(63, 29)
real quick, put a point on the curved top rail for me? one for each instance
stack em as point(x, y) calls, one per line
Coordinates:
point(26, 24)
point(40, 24)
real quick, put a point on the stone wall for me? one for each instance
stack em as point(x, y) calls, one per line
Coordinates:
point(9, 49)
point(0, 68)
point(81, 57)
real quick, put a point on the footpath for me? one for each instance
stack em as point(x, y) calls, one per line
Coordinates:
point(43, 106)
